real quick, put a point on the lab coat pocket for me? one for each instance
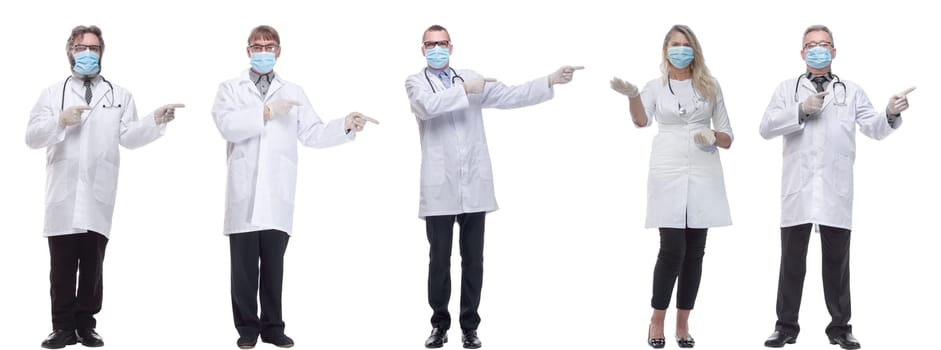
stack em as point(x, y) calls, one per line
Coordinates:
point(793, 174)
point(432, 167)
point(287, 170)
point(484, 167)
point(843, 176)
point(106, 182)
point(57, 181)
point(240, 178)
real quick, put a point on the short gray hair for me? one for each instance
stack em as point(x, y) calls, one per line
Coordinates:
point(818, 28)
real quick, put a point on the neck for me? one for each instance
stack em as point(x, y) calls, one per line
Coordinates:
point(680, 74)
point(442, 69)
point(818, 72)
point(262, 74)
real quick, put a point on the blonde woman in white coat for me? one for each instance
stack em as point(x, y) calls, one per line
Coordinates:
point(685, 186)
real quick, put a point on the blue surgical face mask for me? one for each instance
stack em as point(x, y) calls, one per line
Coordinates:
point(263, 62)
point(680, 56)
point(818, 57)
point(86, 63)
point(437, 57)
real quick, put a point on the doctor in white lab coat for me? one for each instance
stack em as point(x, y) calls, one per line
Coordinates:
point(685, 185)
point(262, 117)
point(456, 175)
point(817, 115)
point(81, 121)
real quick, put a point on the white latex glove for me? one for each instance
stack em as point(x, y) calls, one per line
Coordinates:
point(279, 107)
point(164, 114)
point(72, 115)
point(624, 88)
point(812, 105)
point(476, 86)
point(898, 102)
point(705, 137)
point(563, 75)
point(357, 121)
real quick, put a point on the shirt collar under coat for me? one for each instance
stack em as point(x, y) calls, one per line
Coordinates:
point(276, 83)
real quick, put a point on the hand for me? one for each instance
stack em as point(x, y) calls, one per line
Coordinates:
point(705, 137)
point(624, 88)
point(357, 121)
point(72, 115)
point(813, 104)
point(476, 86)
point(563, 75)
point(898, 103)
point(165, 113)
point(279, 107)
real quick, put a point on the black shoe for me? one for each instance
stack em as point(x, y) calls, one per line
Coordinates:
point(89, 338)
point(437, 338)
point(778, 339)
point(687, 342)
point(59, 338)
point(656, 343)
point(279, 340)
point(846, 341)
point(470, 339)
point(247, 341)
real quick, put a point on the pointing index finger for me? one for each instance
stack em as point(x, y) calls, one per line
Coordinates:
point(903, 93)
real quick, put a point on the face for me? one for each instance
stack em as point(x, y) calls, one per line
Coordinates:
point(818, 38)
point(263, 45)
point(436, 38)
point(87, 41)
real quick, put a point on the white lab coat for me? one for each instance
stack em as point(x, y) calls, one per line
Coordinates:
point(82, 160)
point(262, 156)
point(817, 179)
point(456, 175)
point(685, 186)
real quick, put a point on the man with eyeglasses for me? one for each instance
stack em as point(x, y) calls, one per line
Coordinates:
point(81, 121)
point(817, 115)
point(456, 176)
point(262, 117)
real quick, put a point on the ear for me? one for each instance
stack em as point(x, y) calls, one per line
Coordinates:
point(423, 51)
point(833, 53)
point(803, 55)
point(277, 52)
point(248, 52)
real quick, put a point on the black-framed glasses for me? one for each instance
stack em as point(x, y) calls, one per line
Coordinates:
point(264, 48)
point(92, 48)
point(442, 44)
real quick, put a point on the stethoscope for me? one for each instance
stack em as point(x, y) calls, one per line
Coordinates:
point(836, 81)
point(110, 87)
point(679, 107)
point(455, 76)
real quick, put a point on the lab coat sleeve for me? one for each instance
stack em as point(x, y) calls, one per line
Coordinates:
point(236, 123)
point(720, 117)
point(427, 105)
point(648, 97)
point(312, 132)
point(138, 132)
point(874, 125)
point(780, 118)
point(501, 96)
point(43, 129)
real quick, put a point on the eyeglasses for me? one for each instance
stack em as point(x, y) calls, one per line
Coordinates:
point(442, 44)
point(92, 48)
point(264, 48)
point(823, 44)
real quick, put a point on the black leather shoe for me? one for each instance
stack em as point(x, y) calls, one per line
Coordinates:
point(437, 338)
point(89, 338)
point(470, 340)
point(59, 338)
point(279, 340)
point(778, 339)
point(846, 341)
point(247, 341)
point(687, 342)
point(656, 343)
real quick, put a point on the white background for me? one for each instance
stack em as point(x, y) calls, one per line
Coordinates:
point(568, 262)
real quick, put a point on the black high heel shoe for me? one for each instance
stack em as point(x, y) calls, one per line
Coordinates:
point(687, 342)
point(656, 343)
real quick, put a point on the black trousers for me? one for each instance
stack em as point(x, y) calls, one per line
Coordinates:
point(440, 230)
point(680, 258)
point(84, 253)
point(246, 250)
point(835, 252)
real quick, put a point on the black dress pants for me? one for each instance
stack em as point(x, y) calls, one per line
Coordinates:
point(680, 258)
point(440, 230)
point(85, 253)
point(248, 251)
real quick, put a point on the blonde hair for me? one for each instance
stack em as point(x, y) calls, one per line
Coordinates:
point(703, 82)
